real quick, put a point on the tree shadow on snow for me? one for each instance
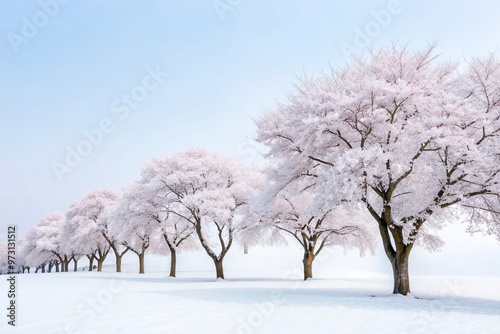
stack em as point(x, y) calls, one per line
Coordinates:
point(355, 299)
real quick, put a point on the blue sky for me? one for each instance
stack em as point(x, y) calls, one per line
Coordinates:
point(223, 69)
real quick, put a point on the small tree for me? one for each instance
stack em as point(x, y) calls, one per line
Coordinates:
point(151, 203)
point(177, 235)
point(131, 224)
point(293, 214)
point(207, 192)
point(43, 243)
point(82, 228)
point(105, 222)
point(21, 264)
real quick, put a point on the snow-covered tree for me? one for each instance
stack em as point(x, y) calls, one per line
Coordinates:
point(83, 230)
point(20, 259)
point(43, 243)
point(105, 223)
point(20, 267)
point(31, 254)
point(49, 238)
point(292, 213)
point(177, 234)
point(146, 199)
point(393, 131)
point(206, 191)
point(481, 88)
point(131, 225)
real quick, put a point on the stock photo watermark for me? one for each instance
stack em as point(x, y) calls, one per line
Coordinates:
point(33, 24)
point(121, 107)
point(92, 306)
point(223, 7)
point(250, 151)
point(12, 306)
point(364, 36)
point(265, 308)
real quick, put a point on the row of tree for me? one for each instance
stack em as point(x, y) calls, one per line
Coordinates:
point(190, 200)
point(395, 142)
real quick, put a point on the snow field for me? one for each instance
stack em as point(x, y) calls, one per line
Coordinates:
point(261, 294)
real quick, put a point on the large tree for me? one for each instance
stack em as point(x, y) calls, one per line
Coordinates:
point(396, 131)
point(206, 191)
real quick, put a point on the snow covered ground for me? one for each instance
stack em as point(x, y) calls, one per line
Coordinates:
point(263, 293)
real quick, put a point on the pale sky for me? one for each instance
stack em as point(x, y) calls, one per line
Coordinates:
point(68, 68)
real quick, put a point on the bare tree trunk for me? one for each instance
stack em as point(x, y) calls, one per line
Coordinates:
point(141, 263)
point(75, 264)
point(219, 269)
point(118, 259)
point(91, 261)
point(65, 264)
point(57, 267)
point(51, 264)
point(100, 263)
point(400, 272)
point(118, 256)
point(172, 246)
point(173, 262)
point(307, 262)
point(101, 258)
point(118, 262)
point(398, 256)
point(141, 255)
